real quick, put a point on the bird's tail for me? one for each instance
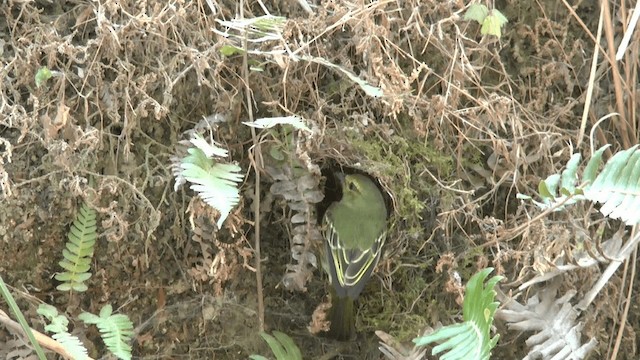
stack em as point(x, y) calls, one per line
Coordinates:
point(342, 317)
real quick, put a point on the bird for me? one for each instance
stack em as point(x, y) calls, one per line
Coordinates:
point(355, 229)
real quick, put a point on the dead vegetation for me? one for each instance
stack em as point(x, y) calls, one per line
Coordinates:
point(465, 123)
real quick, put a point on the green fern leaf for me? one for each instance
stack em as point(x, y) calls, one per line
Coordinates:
point(72, 344)
point(617, 187)
point(58, 323)
point(78, 252)
point(282, 346)
point(216, 183)
point(58, 326)
point(591, 170)
point(472, 338)
point(569, 177)
point(479, 307)
point(462, 341)
point(116, 330)
point(609, 178)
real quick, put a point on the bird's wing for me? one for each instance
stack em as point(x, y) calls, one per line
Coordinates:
point(350, 268)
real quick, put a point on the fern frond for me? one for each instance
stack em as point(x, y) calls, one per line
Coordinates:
point(616, 187)
point(216, 183)
point(297, 180)
point(116, 330)
point(479, 307)
point(58, 327)
point(58, 322)
point(393, 349)
point(72, 345)
point(554, 321)
point(472, 338)
point(79, 251)
point(282, 346)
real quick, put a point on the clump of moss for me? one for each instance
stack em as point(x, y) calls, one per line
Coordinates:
point(416, 302)
point(401, 161)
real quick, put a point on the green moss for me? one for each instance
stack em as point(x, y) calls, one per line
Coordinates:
point(390, 312)
point(402, 161)
point(415, 303)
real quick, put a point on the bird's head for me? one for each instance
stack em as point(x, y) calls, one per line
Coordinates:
point(357, 188)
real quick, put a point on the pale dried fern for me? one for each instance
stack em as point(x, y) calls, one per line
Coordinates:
point(301, 191)
point(297, 180)
point(557, 336)
point(392, 349)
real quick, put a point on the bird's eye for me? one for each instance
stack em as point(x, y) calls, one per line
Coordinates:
point(352, 186)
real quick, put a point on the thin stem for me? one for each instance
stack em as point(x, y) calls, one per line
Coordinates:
point(624, 130)
point(256, 154)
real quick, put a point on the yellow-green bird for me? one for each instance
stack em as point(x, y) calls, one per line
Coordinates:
point(355, 230)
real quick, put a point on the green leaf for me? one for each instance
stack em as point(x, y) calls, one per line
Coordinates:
point(270, 23)
point(78, 253)
point(216, 183)
point(590, 171)
point(116, 330)
point(293, 352)
point(47, 311)
point(277, 153)
point(471, 339)
point(549, 187)
point(617, 187)
point(209, 150)
point(569, 178)
point(477, 12)
point(230, 50)
point(59, 327)
point(624, 186)
point(282, 346)
point(609, 175)
point(13, 306)
point(43, 75)
point(72, 345)
point(443, 334)
point(493, 23)
point(58, 323)
point(277, 348)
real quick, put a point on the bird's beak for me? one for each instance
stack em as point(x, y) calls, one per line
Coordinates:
point(340, 177)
